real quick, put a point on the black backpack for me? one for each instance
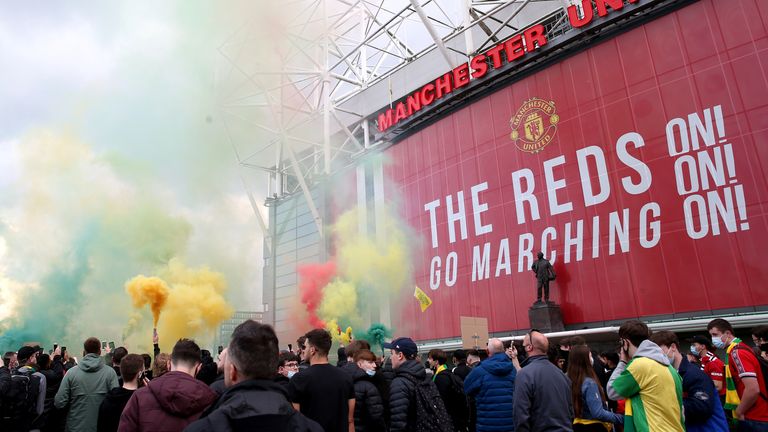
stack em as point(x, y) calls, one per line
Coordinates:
point(457, 403)
point(431, 415)
point(19, 405)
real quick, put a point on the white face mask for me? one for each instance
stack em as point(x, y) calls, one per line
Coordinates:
point(370, 372)
point(291, 374)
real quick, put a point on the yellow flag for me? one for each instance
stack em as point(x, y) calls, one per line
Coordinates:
point(424, 300)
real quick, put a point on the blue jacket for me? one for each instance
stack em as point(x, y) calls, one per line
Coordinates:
point(703, 410)
point(593, 407)
point(492, 384)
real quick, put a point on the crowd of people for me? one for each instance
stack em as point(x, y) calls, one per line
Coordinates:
point(650, 383)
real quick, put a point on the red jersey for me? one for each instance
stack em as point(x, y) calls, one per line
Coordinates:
point(743, 364)
point(715, 368)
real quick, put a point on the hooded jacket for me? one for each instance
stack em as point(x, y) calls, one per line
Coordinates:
point(254, 405)
point(83, 389)
point(369, 409)
point(401, 394)
point(168, 403)
point(653, 390)
point(703, 410)
point(542, 397)
point(492, 384)
point(111, 408)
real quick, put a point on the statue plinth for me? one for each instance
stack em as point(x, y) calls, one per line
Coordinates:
point(546, 317)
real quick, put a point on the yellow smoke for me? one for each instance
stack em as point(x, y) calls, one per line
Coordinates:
point(337, 335)
point(151, 291)
point(339, 301)
point(195, 305)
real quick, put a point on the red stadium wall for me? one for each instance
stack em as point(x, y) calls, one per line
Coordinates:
point(658, 138)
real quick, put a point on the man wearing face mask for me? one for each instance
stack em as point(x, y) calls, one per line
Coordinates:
point(369, 408)
point(172, 401)
point(703, 411)
point(760, 338)
point(645, 378)
point(713, 366)
point(745, 393)
point(287, 367)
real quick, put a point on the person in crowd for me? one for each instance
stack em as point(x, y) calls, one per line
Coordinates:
point(218, 384)
point(648, 381)
point(52, 384)
point(492, 385)
point(11, 360)
point(160, 367)
point(409, 371)
point(131, 369)
point(459, 359)
point(352, 349)
point(597, 364)
point(323, 392)
point(84, 387)
point(451, 389)
point(147, 366)
point(542, 399)
point(473, 358)
point(208, 369)
point(760, 338)
point(24, 404)
point(590, 405)
point(301, 347)
point(117, 356)
point(253, 401)
point(713, 366)
point(5, 377)
point(287, 367)
point(744, 381)
point(701, 406)
point(369, 408)
point(693, 358)
point(172, 401)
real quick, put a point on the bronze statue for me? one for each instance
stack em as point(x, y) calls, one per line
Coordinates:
point(544, 273)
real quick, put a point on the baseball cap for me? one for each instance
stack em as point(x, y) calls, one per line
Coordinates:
point(25, 353)
point(404, 345)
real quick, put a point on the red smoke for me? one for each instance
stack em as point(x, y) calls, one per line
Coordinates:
point(312, 279)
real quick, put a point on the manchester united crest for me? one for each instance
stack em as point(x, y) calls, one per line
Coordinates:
point(534, 125)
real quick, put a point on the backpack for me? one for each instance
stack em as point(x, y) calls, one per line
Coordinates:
point(763, 369)
point(457, 403)
point(431, 415)
point(19, 404)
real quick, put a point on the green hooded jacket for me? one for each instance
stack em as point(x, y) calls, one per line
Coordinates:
point(82, 390)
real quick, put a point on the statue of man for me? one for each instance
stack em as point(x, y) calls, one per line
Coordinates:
point(544, 273)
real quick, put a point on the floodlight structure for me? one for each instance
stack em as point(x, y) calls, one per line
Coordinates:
point(299, 104)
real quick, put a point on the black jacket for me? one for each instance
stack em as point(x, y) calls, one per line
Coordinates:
point(111, 408)
point(283, 381)
point(5, 380)
point(218, 385)
point(369, 408)
point(255, 405)
point(401, 393)
point(462, 370)
point(208, 371)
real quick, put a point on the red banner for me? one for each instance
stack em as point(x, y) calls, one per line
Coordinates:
point(639, 167)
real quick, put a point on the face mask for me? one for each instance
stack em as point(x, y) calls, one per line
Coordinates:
point(370, 372)
point(291, 374)
point(764, 347)
point(693, 350)
point(671, 356)
point(718, 342)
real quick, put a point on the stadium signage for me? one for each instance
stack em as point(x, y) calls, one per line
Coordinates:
point(509, 51)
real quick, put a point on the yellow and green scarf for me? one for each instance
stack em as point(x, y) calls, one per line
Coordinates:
point(438, 370)
point(732, 399)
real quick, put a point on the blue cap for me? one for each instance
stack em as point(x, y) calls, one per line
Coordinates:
point(404, 345)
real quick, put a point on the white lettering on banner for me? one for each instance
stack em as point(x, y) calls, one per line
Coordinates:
point(481, 266)
point(523, 196)
point(553, 186)
point(459, 216)
point(431, 207)
point(632, 162)
point(596, 153)
point(711, 194)
point(478, 209)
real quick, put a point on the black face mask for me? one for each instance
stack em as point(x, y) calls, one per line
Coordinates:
point(764, 347)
